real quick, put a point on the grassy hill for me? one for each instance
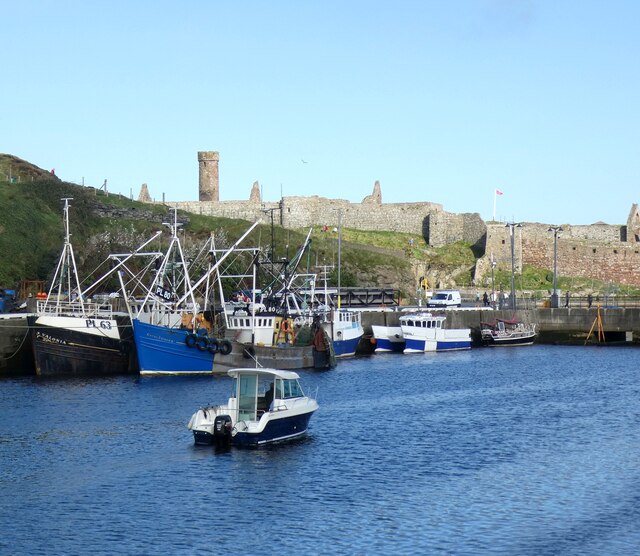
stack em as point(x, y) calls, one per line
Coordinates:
point(31, 233)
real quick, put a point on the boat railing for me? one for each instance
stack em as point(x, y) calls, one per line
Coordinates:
point(74, 309)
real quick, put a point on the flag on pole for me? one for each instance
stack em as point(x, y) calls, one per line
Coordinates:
point(498, 192)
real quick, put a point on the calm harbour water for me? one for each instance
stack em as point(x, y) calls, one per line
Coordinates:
point(531, 450)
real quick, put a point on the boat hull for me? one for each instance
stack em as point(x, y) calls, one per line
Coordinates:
point(163, 350)
point(346, 347)
point(388, 339)
point(276, 430)
point(422, 345)
point(65, 346)
point(509, 341)
point(281, 356)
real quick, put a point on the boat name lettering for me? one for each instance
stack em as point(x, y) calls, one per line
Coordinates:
point(50, 339)
point(163, 293)
point(104, 324)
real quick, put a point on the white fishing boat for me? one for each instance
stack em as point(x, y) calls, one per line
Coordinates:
point(426, 332)
point(266, 406)
point(72, 335)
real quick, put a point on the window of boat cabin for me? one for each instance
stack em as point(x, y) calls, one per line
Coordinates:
point(288, 389)
point(247, 397)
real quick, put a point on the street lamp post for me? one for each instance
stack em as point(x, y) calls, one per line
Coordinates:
point(511, 226)
point(554, 296)
point(493, 282)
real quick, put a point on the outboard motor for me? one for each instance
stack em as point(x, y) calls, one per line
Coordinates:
point(222, 430)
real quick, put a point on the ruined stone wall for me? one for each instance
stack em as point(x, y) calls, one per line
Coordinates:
point(593, 232)
point(243, 210)
point(443, 228)
point(585, 253)
point(301, 212)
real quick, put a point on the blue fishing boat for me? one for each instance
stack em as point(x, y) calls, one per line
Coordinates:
point(344, 328)
point(166, 350)
point(173, 326)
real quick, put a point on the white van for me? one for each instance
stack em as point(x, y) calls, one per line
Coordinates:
point(445, 298)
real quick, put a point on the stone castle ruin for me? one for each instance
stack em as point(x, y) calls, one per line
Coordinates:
point(597, 251)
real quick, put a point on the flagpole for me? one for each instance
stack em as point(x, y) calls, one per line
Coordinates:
point(494, 204)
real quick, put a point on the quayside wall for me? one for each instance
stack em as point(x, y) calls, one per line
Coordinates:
point(562, 325)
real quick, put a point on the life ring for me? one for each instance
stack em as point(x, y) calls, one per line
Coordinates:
point(213, 345)
point(225, 347)
point(190, 340)
point(202, 343)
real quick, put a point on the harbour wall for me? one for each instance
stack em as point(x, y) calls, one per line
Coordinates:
point(562, 325)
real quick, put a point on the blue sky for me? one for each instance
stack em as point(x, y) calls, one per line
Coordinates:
point(440, 101)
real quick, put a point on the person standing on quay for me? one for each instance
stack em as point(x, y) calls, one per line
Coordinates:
point(566, 300)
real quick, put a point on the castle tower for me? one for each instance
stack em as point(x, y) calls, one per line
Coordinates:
point(376, 196)
point(254, 196)
point(209, 181)
point(144, 196)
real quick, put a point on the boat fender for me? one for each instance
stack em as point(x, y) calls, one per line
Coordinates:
point(225, 347)
point(248, 352)
point(213, 345)
point(190, 340)
point(202, 343)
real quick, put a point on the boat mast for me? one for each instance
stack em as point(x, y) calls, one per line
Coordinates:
point(339, 252)
point(66, 270)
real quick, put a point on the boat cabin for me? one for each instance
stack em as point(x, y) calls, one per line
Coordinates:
point(426, 320)
point(256, 391)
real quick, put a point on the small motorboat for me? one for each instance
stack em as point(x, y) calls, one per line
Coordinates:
point(503, 332)
point(266, 405)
